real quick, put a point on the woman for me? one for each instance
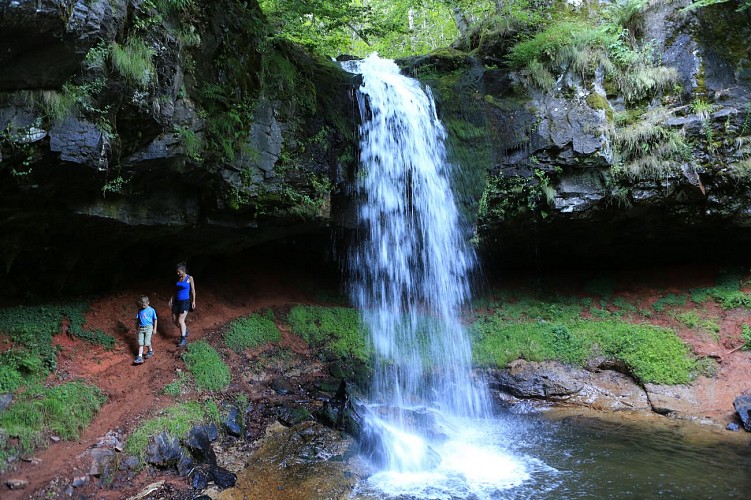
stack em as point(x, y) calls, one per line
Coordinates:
point(183, 301)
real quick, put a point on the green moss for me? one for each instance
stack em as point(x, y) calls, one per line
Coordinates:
point(597, 101)
point(336, 329)
point(208, 369)
point(64, 410)
point(548, 331)
point(727, 32)
point(175, 420)
point(251, 331)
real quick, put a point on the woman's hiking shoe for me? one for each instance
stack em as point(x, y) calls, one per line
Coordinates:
point(148, 354)
point(183, 342)
point(138, 360)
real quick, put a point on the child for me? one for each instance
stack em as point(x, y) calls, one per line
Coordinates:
point(146, 324)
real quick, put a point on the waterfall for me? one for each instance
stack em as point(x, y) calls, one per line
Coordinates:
point(410, 270)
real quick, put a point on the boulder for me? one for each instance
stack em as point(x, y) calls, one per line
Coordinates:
point(742, 405)
point(553, 381)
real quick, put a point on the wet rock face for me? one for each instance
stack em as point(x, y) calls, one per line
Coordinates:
point(553, 194)
point(304, 461)
point(555, 382)
point(153, 170)
point(45, 41)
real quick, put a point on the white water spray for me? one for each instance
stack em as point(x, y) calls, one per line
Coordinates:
point(410, 272)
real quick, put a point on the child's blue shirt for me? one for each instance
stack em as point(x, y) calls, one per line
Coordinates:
point(146, 316)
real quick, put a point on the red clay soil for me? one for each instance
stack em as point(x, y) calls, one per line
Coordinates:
point(136, 392)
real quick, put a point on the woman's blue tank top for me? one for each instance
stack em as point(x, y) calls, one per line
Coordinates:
point(183, 289)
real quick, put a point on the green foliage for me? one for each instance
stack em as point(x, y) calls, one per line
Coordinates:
point(177, 386)
point(192, 144)
point(626, 13)
point(647, 148)
point(669, 300)
point(75, 312)
point(726, 293)
point(580, 44)
point(689, 318)
point(746, 336)
point(743, 5)
point(706, 367)
point(167, 6)
point(337, 329)
point(20, 367)
point(359, 27)
point(31, 329)
point(539, 330)
point(511, 19)
point(63, 410)
point(624, 305)
point(702, 109)
point(692, 319)
point(251, 331)
point(208, 369)
point(134, 61)
point(569, 42)
point(58, 105)
point(115, 185)
point(175, 420)
point(653, 354)
point(506, 198)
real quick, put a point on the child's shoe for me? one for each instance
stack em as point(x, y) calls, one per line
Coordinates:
point(183, 342)
point(138, 360)
point(148, 354)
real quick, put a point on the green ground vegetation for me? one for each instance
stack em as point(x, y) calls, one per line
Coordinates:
point(30, 329)
point(179, 386)
point(176, 421)
point(209, 371)
point(510, 326)
point(252, 331)
point(746, 336)
point(727, 293)
point(335, 329)
point(39, 412)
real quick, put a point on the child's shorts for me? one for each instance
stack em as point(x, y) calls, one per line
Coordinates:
point(144, 334)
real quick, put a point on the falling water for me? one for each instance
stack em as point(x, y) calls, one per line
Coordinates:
point(410, 277)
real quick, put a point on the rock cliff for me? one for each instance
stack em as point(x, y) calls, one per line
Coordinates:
point(590, 156)
point(135, 133)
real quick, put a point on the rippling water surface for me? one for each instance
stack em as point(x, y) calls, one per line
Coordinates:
point(574, 456)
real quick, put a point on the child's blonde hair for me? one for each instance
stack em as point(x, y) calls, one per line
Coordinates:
point(144, 300)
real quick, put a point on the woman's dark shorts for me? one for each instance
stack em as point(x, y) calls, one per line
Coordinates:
point(180, 306)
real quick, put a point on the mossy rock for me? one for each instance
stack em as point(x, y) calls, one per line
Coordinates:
point(597, 101)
